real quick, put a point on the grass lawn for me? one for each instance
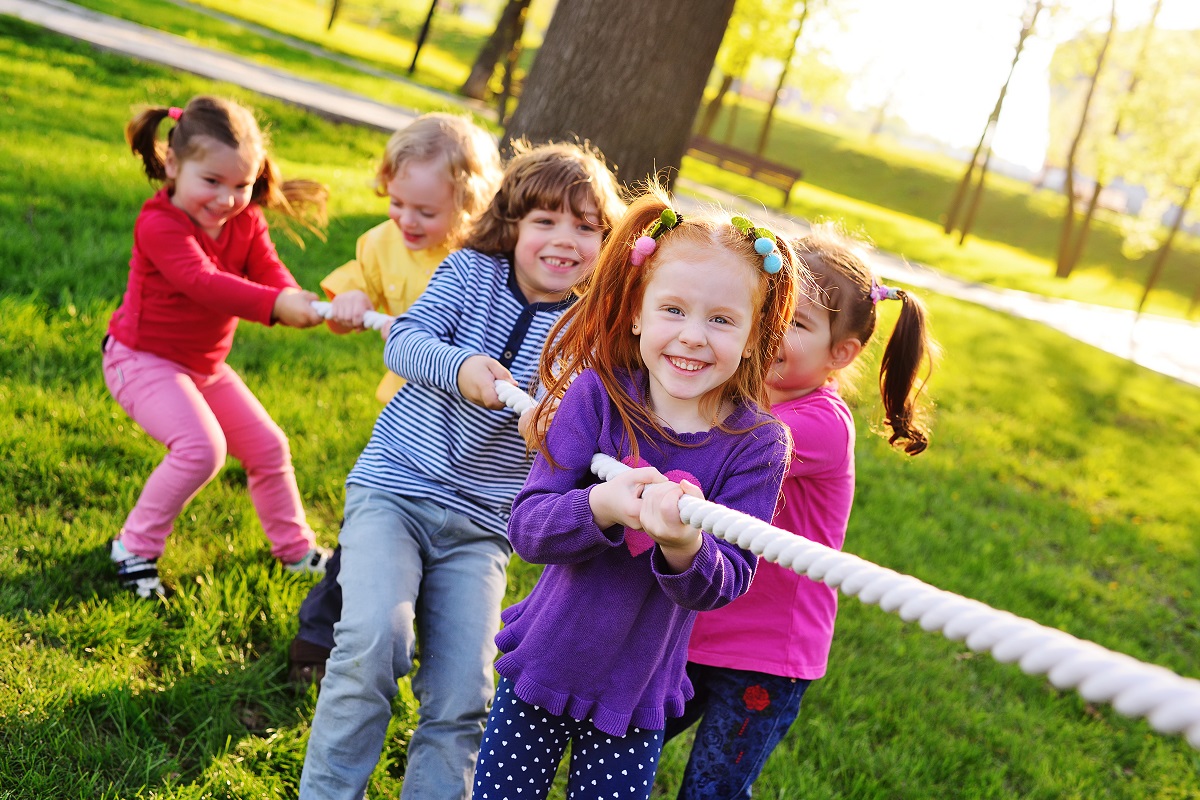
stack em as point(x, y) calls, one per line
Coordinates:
point(1060, 485)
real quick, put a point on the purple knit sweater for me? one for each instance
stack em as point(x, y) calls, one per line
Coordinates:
point(604, 633)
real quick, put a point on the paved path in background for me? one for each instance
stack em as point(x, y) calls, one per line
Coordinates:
point(1165, 345)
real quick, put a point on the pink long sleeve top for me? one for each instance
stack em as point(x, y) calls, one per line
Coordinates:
point(784, 624)
point(186, 290)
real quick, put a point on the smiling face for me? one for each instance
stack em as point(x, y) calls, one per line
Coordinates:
point(806, 360)
point(694, 327)
point(554, 250)
point(214, 184)
point(422, 203)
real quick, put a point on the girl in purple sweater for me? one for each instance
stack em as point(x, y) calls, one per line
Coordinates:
point(660, 364)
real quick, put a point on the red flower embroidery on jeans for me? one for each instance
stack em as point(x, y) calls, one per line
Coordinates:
point(756, 698)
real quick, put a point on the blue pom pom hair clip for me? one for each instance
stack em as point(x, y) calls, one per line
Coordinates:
point(764, 243)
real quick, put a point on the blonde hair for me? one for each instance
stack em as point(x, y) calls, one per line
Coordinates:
point(232, 124)
point(472, 163)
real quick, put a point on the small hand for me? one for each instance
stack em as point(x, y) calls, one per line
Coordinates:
point(347, 309)
point(525, 423)
point(293, 307)
point(678, 541)
point(618, 501)
point(477, 380)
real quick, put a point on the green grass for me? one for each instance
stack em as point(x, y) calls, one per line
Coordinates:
point(1060, 486)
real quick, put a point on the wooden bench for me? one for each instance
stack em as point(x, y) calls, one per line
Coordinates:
point(781, 176)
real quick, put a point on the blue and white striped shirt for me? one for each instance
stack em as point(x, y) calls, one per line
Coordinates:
point(431, 443)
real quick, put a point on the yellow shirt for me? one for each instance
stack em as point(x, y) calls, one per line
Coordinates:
point(392, 276)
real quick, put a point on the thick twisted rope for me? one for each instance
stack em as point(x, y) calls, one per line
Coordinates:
point(1168, 702)
point(372, 320)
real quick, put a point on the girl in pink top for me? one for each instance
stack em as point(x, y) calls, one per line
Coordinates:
point(202, 259)
point(751, 661)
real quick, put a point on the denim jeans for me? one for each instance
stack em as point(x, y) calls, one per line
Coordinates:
point(408, 566)
point(743, 716)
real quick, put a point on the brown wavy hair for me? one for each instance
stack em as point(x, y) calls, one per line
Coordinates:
point(838, 265)
point(549, 177)
point(596, 332)
point(207, 119)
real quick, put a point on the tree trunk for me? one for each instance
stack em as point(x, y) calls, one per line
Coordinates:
point(1066, 239)
point(713, 109)
point(499, 43)
point(787, 63)
point(976, 197)
point(1085, 225)
point(626, 75)
point(510, 66)
point(1160, 257)
point(422, 36)
point(333, 12)
point(1034, 9)
point(731, 118)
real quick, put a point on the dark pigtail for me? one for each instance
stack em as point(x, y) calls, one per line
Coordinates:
point(141, 133)
point(907, 349)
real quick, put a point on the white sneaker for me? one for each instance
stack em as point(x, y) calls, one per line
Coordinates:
point(313, 563)
point(137, 572)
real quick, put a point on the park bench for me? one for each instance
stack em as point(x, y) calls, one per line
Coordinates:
point(781, 176)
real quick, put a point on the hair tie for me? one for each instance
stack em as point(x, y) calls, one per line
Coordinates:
point(175, 112)
point(647, 243)
point(764, 243)
point(881, 292)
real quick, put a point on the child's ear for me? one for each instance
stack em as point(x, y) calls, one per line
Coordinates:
point(845, 351)
point(170, 164)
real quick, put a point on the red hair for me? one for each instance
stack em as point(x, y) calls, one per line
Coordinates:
point(596, 332)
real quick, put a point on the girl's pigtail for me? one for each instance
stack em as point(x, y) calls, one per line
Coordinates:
point(909, 346)
point(301, 201)
point(141, 133)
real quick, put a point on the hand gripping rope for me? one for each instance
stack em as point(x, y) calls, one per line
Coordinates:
point(1170, 703)
point(372, 319)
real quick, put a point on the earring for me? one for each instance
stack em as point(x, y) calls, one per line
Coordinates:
point(635, 327)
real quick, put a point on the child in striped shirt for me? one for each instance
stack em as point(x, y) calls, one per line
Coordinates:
point(424, 548)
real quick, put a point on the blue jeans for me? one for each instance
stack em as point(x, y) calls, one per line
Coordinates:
point(743, 716)
point(408, 564)
point(524, 743)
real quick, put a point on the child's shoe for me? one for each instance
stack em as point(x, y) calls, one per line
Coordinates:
point(137, 573)
point(306, 663)
point(313, 563)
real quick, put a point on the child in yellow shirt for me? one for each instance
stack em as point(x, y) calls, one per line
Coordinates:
point(438, 174)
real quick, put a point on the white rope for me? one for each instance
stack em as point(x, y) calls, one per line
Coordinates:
point(372, 320)
point(1168, 702)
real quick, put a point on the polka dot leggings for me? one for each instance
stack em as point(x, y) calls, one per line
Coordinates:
point(524, 743)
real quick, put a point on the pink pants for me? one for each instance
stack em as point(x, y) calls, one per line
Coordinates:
point(200, 418)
